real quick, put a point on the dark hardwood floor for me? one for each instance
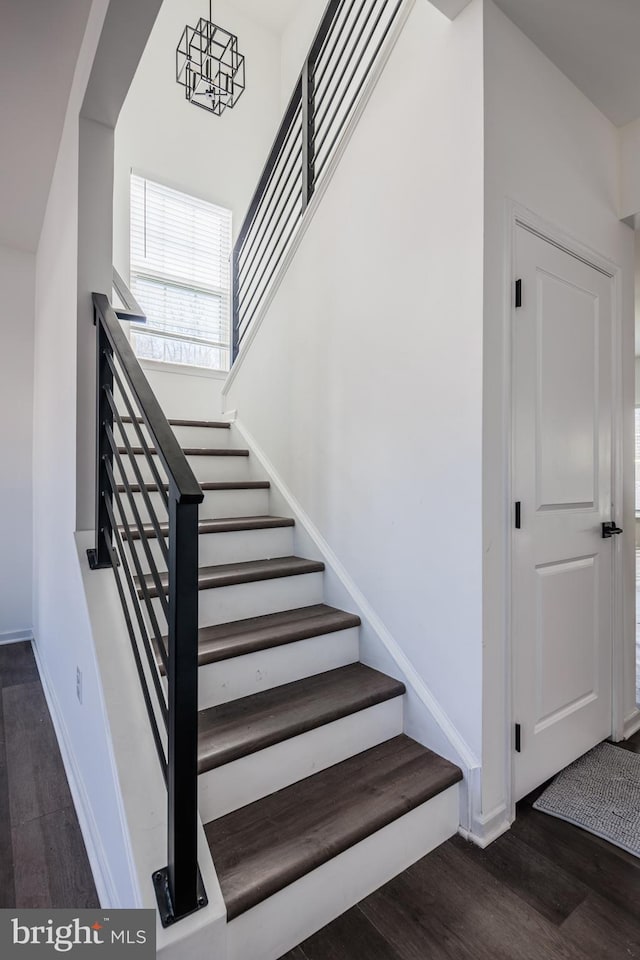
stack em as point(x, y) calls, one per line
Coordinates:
point(544, 891)
point(43, 861)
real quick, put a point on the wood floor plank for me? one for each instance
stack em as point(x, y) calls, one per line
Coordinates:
point(603, 931)
point(296, 954)
point(352, 936)
point(447, 907)
point(7, 888)
point(534, 877)
point(609, 871)
point(544, 891)
point(17, 664)
point(53, 866)
point(36, 775)
point(632, 744)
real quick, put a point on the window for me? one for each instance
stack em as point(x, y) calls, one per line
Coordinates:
point(180, 252)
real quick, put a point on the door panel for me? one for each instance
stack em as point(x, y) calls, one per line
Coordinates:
point(561, 576)
point(566, 639)
point(567, 339)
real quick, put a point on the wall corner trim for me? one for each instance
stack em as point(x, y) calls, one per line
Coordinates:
point(487, 828)
point(450, 8)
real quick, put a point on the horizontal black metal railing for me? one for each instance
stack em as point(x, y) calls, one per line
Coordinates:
point(160, 605)
point(130, 309)
point(345, 49)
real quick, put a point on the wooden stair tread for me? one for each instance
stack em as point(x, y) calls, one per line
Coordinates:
point(227, 640)
point(251, 571)
point(273, 842)
point(240, 727)
point(206, 485)
point(189, 452)
point(221, 525)
point(213, 424)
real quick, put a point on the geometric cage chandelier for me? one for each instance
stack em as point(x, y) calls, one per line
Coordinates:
point(209, 66)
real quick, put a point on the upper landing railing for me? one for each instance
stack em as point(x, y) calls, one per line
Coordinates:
point(348, 43)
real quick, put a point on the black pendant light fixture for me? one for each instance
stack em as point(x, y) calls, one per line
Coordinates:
point(209, 66)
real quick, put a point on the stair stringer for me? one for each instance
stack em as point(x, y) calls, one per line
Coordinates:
point(138, 779)
point(425, 719)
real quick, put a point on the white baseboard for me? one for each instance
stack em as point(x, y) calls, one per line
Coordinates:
point(632, 724)
point(15, 636)
point(105, 886)
point(485, 828)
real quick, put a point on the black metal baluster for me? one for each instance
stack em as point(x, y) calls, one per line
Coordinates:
point(308, 133)
point(99, 557)
point(181, 875)
point(235, 309)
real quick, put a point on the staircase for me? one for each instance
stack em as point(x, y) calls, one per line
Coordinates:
point(311, 794)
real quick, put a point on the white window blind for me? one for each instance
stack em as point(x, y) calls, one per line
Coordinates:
point(180, 275)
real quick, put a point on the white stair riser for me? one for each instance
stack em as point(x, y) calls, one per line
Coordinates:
point(216, 503)
point(219, 438)
point(236, 784)
point(204, 468)
point(243, 600)
point(265, 669)
point(235, 547)
point(282, 921)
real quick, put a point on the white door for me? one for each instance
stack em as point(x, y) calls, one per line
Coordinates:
point(562, 565)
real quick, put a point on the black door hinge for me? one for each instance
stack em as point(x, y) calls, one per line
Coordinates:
point(518, 293)
point(518, 738)
point(518, 512)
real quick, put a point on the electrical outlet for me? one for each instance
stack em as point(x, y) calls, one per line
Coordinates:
point(79, 684)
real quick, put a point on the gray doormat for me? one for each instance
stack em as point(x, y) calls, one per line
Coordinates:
point(600, 792)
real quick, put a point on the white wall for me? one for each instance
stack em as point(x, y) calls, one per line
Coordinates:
point(162, 136)
point(17, 283)
point(62, 629)
point(367, 395)
point(547, 148)
point(186, 394)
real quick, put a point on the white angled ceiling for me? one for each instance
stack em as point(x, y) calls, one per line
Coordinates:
point(39, 45)
point(274, 14)
point(596, 43)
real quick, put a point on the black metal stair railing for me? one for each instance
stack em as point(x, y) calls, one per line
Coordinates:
point(133, 485)
point(345, 49)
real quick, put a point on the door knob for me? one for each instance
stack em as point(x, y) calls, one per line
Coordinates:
point(609, 529)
